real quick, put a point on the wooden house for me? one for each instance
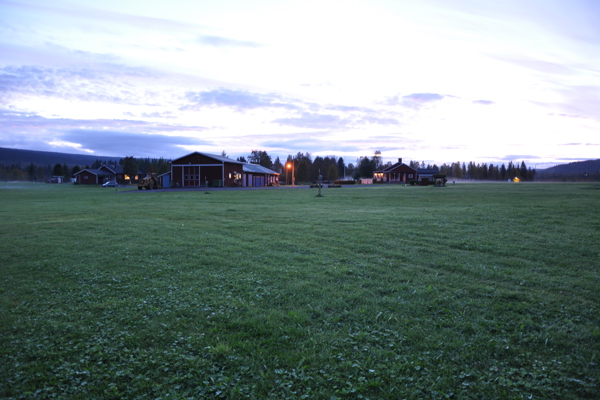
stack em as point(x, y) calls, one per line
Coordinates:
point(397, 173)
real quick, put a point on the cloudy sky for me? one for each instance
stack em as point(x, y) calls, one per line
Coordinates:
point(428, 80)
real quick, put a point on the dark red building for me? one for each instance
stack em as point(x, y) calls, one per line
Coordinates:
point(397, 173)
point(201, 169)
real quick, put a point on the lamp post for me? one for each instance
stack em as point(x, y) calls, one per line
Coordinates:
point(291, 165)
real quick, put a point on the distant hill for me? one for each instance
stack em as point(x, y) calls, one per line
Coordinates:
point(579, 167)
point(44, 158)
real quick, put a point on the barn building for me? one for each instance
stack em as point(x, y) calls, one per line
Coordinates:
point(210, 170)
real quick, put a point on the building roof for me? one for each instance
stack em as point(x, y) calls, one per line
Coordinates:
point(115, 169)
point(98, 172)
point(428, 171)
point(396, 166)
point(217, 157)
point(258, 169)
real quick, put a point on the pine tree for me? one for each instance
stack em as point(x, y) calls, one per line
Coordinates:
point(523, 171)
point(277, 167)
point(341, 167)
point(66, 172)
point(332, 172)
point(57, 170)
point(302, 172)
point(130, 168)
point(31, 172)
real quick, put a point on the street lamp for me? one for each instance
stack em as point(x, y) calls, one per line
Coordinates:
point(291, 165)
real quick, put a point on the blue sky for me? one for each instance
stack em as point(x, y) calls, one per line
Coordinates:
point(427, 80)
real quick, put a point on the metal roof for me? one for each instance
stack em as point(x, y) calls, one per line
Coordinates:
point(258, 169)
point(214, 156)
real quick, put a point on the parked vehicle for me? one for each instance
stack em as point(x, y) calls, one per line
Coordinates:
point(110, 184)
point(149, 182)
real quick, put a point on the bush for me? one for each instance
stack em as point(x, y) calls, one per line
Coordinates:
point(413, 183)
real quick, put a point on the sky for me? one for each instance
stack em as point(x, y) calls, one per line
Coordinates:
point(437, 81)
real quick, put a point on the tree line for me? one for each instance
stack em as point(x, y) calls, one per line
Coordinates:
point(302, 166)
point(307, 169)
point(488, 172)
point(44, 173)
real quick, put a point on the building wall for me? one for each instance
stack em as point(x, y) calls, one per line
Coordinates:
point(231, 170)
point(191, 175)
point(87, 178)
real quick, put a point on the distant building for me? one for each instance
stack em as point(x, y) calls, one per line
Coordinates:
point(425, 175)
point(104, 174)
point(402, 173)
point(211, 170)
point(397, 173)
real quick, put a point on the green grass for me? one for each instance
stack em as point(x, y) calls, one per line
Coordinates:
point(379, 292)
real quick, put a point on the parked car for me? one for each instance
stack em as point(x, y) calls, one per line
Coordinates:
point(110, 184)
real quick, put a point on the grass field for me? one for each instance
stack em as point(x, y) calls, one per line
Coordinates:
point(471, 291)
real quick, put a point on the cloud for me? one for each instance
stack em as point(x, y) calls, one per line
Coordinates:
point(513, 157)
point(579, 144)
point(314, 142)
point(23, 120)
point(414, 100)
point(218, 41)
point(566, 115)
point(122, 142)
point(424, 97)
point(483, 102)
point(105, 137)
point(239, 100)
point(541, 66)
point(96, 17)
point(363, 115)
point(107, 83)
point(349, 109)
point(380, 121)
point(581, 100)
point(314, 121)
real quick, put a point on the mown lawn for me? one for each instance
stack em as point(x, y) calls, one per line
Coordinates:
point(471, 291)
